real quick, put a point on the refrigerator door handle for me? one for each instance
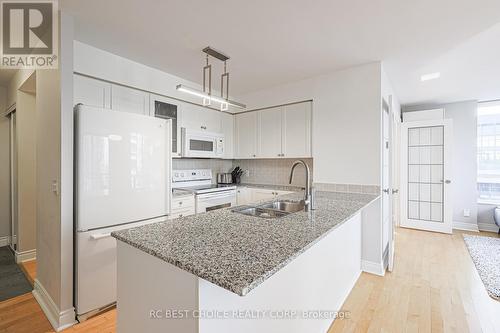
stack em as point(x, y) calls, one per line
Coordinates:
point(100, 236)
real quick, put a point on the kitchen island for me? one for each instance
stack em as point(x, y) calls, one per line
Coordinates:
point(226, 272)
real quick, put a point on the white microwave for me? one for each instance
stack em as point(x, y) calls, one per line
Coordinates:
point(202, 144)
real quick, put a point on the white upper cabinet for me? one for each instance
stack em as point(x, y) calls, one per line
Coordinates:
point(228, 131)
point(296, 130)
point(282, 132)
point(168, 108)
point(246, 135)
point(270, 133)
point(91, 92)
point(129, 100)
point(198, 118)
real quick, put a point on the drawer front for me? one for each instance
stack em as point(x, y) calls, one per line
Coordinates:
point(183, 203)
point(176, 213)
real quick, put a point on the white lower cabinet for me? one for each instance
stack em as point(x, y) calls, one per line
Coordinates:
point(262, 194)
point(259, 194)
point(248, 195)
point(243, 196)
point(182, 206)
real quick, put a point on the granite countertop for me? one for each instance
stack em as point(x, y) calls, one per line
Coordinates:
point(238, 252)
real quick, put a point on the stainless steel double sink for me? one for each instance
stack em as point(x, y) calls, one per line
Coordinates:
point(271, 210)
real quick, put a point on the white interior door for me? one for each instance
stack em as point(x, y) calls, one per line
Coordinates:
point(425, 175)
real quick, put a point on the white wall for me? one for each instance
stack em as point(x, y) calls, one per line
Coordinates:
point(26, 163)
point(4, 167)
point(54, 102)
point(464, 165)
point(26, 170)
point(346, 121)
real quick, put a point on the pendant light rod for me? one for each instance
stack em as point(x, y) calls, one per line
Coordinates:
point(207, 68)
point(206, 94)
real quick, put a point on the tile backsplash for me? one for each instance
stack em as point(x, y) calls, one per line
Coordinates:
point(272, 171)
point(216, 165)
point(269, 172)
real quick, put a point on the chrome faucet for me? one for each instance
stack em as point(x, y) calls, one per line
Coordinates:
point(307, 197)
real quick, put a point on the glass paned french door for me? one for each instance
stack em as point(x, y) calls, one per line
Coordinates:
point(425, 159)
point(425, 173)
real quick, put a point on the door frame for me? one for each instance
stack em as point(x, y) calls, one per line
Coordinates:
point(386, 193)
point(447, 225)
point(13, 237)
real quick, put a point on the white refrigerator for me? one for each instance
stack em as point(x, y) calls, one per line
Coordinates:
point(122, 180)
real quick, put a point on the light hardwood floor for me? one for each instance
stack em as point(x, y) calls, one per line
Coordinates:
point(434, 288)
point(29, 269)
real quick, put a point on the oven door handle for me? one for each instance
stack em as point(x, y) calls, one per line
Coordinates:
point(224, 194)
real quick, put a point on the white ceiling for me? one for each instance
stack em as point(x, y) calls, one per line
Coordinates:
point(273, 42)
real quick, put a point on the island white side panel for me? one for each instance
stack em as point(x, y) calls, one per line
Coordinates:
point(319, 279)
point(146, 283)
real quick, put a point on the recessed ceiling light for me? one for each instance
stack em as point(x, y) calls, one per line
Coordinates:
point(430, 76)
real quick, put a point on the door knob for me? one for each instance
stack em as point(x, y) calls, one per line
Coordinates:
point(394, 191)
point(385, 190)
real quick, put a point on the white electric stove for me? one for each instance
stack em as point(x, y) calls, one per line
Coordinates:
point(208, 196)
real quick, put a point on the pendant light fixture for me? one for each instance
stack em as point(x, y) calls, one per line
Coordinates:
point(206, 94)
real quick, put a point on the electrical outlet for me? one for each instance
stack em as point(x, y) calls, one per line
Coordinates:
point(466, 212)
point(55, 187)
point(246, 173)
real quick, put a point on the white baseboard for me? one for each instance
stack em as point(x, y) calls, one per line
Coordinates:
point(488, 227)
point(25, 255)
point(465, 226)
point(4, 241)
point(373, 267)
point(58, 319)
